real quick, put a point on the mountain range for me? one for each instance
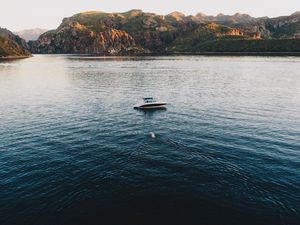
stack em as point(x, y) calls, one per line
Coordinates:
point(30, 34)
point(137, 32)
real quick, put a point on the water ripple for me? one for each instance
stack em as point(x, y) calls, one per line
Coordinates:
point(73, 151)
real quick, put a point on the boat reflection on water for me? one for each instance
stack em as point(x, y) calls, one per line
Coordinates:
point(152, 113)
point(149, 113)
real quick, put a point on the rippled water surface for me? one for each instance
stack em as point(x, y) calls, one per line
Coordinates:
point(73, 150)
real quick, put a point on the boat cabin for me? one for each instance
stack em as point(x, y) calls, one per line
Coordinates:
point(148, 99)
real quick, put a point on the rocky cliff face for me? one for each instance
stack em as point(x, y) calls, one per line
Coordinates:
point(12, 45)
point(9, 35)
point(138, 32)
point(284, 27)
point(79, 39)
point(111, 33)
point(207, 33)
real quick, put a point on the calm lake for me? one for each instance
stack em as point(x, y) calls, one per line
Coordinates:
point(74, 151)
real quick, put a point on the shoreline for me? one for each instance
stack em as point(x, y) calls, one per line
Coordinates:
point(178, 54)
point(239, 53)
point(14, 57)
point(275, 54)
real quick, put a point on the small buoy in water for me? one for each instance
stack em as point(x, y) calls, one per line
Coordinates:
point(152, 134)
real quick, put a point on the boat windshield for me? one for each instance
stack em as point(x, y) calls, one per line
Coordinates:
point(149, 99)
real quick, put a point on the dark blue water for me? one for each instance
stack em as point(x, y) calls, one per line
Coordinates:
point(73, 150)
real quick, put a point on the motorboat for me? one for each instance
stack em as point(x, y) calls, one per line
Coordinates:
point(150, 103)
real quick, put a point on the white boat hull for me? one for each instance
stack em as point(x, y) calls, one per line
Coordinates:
point(156, 105)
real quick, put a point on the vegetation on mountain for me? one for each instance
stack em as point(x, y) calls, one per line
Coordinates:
point(9, 35)
point(244, 46)
point(205, 33)
point(10, 49)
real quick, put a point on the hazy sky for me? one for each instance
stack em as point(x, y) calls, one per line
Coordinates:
point(23, 14)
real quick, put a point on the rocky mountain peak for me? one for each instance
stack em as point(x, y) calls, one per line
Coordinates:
point(30, 34)
point(177, 15)
point(241, 15)
point(133, 13)
point(296, 13)
point(201, 15)
point(91, 12)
